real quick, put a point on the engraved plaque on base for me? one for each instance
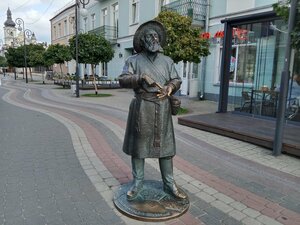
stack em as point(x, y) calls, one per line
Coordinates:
point(151, 204)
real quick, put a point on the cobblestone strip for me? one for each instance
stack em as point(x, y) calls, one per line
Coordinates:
point(221, 200)
point(218, 199)
point(260, 208)
point(92, 166)
point(248, 151)
point(118, 170)
point(101, 177)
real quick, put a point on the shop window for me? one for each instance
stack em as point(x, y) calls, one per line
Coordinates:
point(256, 63)
point(242, 63)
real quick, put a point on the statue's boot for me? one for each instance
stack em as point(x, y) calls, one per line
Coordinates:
point(170, 187)
point(138, 178)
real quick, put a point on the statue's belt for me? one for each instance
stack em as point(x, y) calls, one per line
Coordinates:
point(149, 96)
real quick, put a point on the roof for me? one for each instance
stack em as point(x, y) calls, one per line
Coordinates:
point(9, 22)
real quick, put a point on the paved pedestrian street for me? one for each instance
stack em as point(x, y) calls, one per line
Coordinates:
point(61, 161)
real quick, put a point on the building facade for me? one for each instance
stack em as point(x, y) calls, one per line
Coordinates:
point(255, 57)
point(62, 29)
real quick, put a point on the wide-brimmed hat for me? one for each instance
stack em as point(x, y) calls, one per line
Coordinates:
point(140, 32)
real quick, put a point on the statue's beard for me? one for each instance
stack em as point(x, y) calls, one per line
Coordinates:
point(153, 47)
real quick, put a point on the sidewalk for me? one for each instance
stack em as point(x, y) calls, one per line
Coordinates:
point(229, 182)
point(121, 99)
point(255, 160)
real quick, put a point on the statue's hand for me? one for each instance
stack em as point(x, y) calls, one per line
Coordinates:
point(165, 91)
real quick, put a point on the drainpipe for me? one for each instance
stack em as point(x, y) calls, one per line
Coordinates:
point(204, 61)
point(277, 145)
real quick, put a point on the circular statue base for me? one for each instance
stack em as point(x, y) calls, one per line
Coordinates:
point(151, 204)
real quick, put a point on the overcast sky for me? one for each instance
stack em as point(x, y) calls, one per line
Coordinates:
point(35, 13)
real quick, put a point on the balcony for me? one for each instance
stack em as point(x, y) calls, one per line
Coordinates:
point(195, 9)
point(110, 33)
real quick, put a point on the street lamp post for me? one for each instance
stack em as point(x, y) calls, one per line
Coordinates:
point(77, 7)
point(28, 33)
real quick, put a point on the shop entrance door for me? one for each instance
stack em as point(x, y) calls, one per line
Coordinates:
point(189, 85)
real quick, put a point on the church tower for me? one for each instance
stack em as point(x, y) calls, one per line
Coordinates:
point(9, 29)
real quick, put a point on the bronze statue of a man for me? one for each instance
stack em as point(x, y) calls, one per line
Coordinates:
point(150, 132)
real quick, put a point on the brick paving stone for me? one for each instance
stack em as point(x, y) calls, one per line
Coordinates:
point(250, 221)
point(223, 198)
point(237, 215)
point(250, 212)
point(191, 188)
point(208, 219)
point(237, 205)
point(189, 219)
point(217, 214)
point(231, 221)
point(210, 191)
point(196, 212)
point(267, 221)
point(222, 206)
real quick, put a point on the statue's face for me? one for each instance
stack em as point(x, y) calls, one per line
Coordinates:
point(151, 41)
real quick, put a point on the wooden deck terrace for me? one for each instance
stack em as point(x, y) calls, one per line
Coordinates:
point(257, 131)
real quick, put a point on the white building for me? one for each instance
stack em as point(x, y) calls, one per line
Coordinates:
point(256, 49)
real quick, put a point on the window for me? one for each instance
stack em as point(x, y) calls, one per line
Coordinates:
point(72, 24)
point(242, 63)
point(93, 21)
point(115, 15)
point(104, 17)
point(65, 28)
point(135, 11)
point(104, 69)
point(85, 24)
point(54, 31)
point(59, 30)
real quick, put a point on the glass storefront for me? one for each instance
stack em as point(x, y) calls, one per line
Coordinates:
point(256, 63)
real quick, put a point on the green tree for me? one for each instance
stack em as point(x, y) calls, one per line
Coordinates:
point(92, 49)
point(35, 56)
point(15, 57)
point(282, 10)
point(58, 54)
point(3, 62)
point(183, 40)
